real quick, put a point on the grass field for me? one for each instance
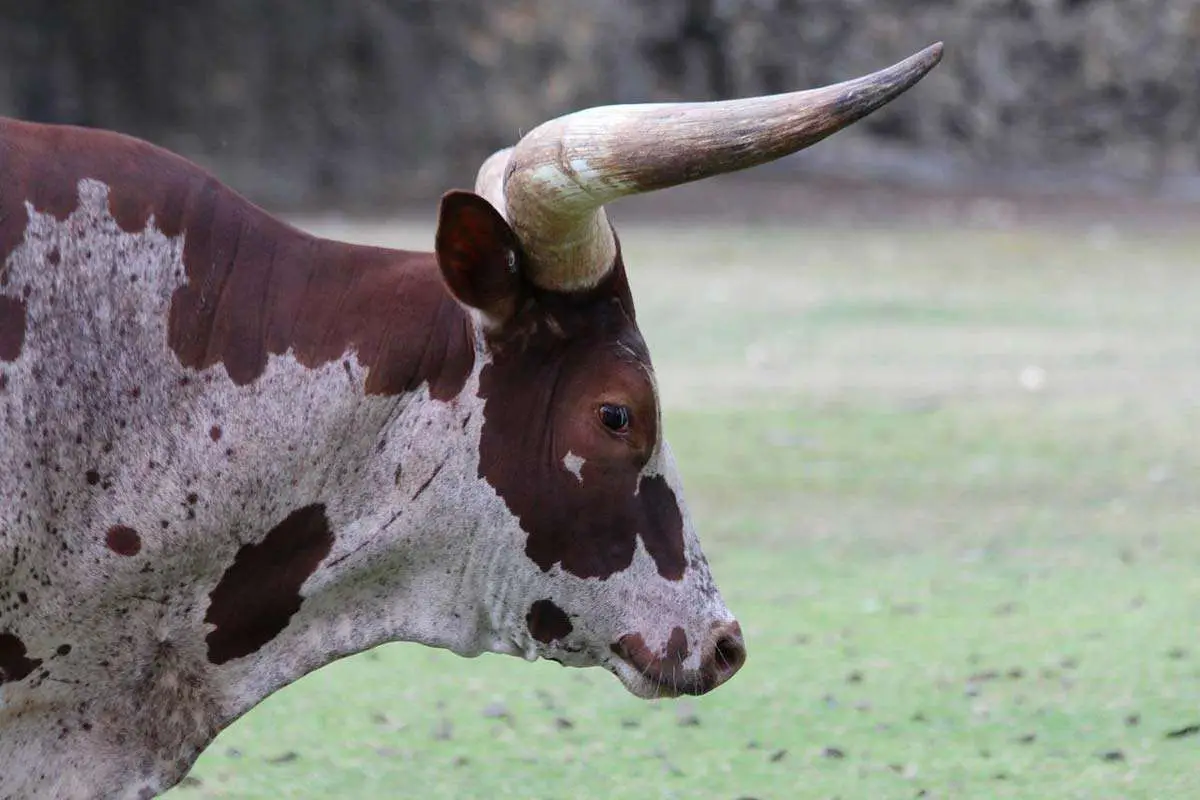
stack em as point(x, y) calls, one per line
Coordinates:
point(949, 482)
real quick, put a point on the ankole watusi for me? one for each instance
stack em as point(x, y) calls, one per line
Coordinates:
point(234, 452)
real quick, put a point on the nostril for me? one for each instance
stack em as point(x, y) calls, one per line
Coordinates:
point(729, 653)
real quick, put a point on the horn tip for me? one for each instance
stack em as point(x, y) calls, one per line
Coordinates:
point(930, 57)
point(918, 65)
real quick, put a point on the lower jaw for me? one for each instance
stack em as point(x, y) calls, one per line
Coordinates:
point(640, 686)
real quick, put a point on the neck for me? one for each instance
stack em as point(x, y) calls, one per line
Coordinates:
point(258, 412)
point(369, 376)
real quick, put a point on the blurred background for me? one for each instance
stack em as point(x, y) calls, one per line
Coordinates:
point(367, 104)
point(933, 384)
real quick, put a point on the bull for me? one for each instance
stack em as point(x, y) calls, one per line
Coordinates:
point(234, 452)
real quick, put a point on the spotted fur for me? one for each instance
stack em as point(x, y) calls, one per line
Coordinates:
point(233, 452)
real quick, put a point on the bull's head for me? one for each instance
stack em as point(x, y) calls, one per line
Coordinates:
point(609, 570)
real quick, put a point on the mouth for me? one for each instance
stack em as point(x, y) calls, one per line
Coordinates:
point(645, 687)
point(650, 675)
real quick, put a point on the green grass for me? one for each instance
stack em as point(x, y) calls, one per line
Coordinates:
point(953, 583)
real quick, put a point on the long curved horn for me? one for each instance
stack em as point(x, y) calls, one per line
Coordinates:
point(553, 184)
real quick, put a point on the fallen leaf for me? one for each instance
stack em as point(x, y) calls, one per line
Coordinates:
point(497, 711)
point(444, 730)
point(668, 765)
point(685, 715)
point(906, 609)
point(1187, 730)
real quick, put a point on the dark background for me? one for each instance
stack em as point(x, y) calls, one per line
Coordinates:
point(370, 104)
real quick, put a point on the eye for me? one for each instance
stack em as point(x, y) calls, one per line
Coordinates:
point(614, 417)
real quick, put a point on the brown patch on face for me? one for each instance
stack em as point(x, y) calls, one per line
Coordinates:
point(260, 591)
point(666, 668)
point(12, 327)
point(123, 540)
point(255, 286)
point(14, 665)
point(664, 525)
point(214, 433)
point(565, 355)
point(547, 622)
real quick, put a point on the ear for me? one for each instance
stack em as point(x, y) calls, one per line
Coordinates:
point(479, 256)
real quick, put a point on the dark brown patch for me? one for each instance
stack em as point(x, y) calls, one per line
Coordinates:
point(254, 285)
point(14, 665)
point(260, 591)
point(540, 393)
point(547, 622)
point(12, 327)
point(666, 668)
point(257, 287)
point(663, 526)
point(123, 540)
point(214, 433)
point(92, 477)
point(54, 257)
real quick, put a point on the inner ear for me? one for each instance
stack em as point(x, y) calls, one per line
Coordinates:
point(479, 256)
